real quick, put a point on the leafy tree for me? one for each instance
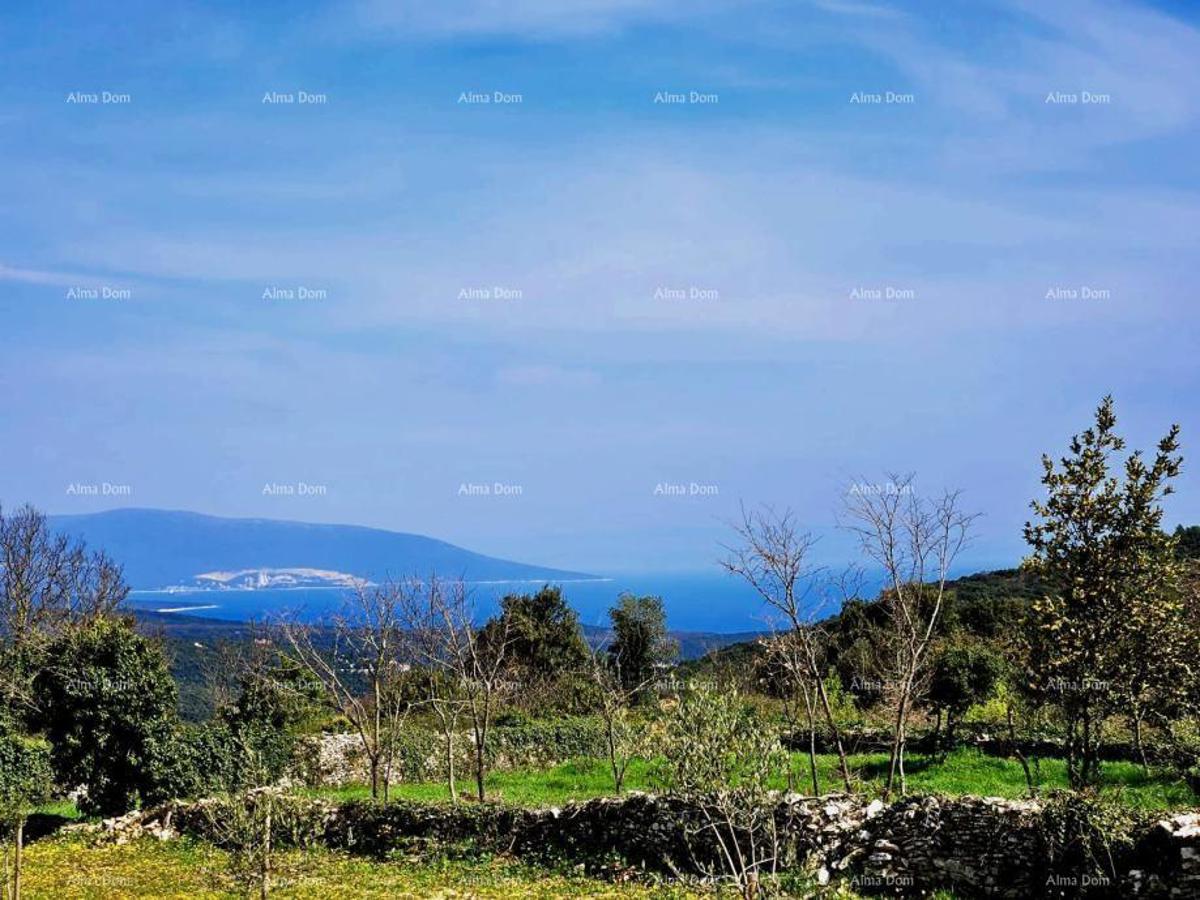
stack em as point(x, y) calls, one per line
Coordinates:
point(544, 637)
point(24, 782)
point(107, 698)
point(962, 677)
point(1108, 635)
point(641, 644)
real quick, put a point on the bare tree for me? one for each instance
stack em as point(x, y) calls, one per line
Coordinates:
point(430, 646)
point(358, 662)
point(773, 558)
point(916, 541)
point(468, 665)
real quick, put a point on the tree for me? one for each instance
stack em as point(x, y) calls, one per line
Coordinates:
point(915, 541)
point(545, 640)
point(1108, 634)
point(48, 584)
point(773, 558)
point(24, 782)
point(962, 677)
point(640, 645)
point(358, 660)
point(467, 665)
point(622, 739)
point(721, 761)
point(246, 822)
point(106, 698)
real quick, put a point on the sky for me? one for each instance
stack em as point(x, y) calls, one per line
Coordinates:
point(580, 295)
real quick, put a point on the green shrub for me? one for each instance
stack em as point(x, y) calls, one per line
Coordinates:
point(107, 700)
point(25, 777)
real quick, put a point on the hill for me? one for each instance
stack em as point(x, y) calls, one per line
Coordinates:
point(163, 548)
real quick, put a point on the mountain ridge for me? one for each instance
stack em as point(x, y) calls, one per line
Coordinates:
point(160, 549)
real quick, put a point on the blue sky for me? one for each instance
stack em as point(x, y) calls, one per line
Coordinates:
point(768, 207)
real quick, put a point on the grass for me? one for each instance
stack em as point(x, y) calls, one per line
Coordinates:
point(73, 867)
point(965, 771)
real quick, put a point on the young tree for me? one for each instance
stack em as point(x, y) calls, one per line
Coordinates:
point(773, 558)
point(468, 665)
point(916, 541)
point(622, 739)
point(25, 781)
point(721, 761)
point(359, 662)
point(1109, 633)
point(246, 823)
point(640, 641)
point(106, 699)
point(430, 645)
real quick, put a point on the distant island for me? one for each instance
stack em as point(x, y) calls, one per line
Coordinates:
point(170, 550)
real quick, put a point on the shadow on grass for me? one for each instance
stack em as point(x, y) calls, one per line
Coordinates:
point(41, 825)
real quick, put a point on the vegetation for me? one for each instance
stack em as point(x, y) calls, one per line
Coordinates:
point(1109, 635)
point(1071, 678)
point(640, 645)
point(106, 699)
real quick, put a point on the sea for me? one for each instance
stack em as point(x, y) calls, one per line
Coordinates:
point(694, 601)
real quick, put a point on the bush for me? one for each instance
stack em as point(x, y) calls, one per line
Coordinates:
point(193, 761)
point(1087, 837)
point(107, 700)
point(25, 777)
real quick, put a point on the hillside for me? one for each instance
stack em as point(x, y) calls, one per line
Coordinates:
point(162, 549)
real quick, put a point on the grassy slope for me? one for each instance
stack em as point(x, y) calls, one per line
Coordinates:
point(963, 772)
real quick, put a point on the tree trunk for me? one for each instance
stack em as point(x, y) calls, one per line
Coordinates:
point(18, 845)
point(837, 733)
point(374, 776)
point(897, 744)
point(450, 766)
point(479, 770)
point(1016, 750)
point(812, 757)
point(265, 884)
point(1137, 741)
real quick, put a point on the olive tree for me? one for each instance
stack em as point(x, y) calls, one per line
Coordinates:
point(720, 760)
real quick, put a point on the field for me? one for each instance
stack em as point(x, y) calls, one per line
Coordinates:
point(962, 772)
point(74, 865)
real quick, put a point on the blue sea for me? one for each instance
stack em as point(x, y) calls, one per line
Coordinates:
point(706, 601)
